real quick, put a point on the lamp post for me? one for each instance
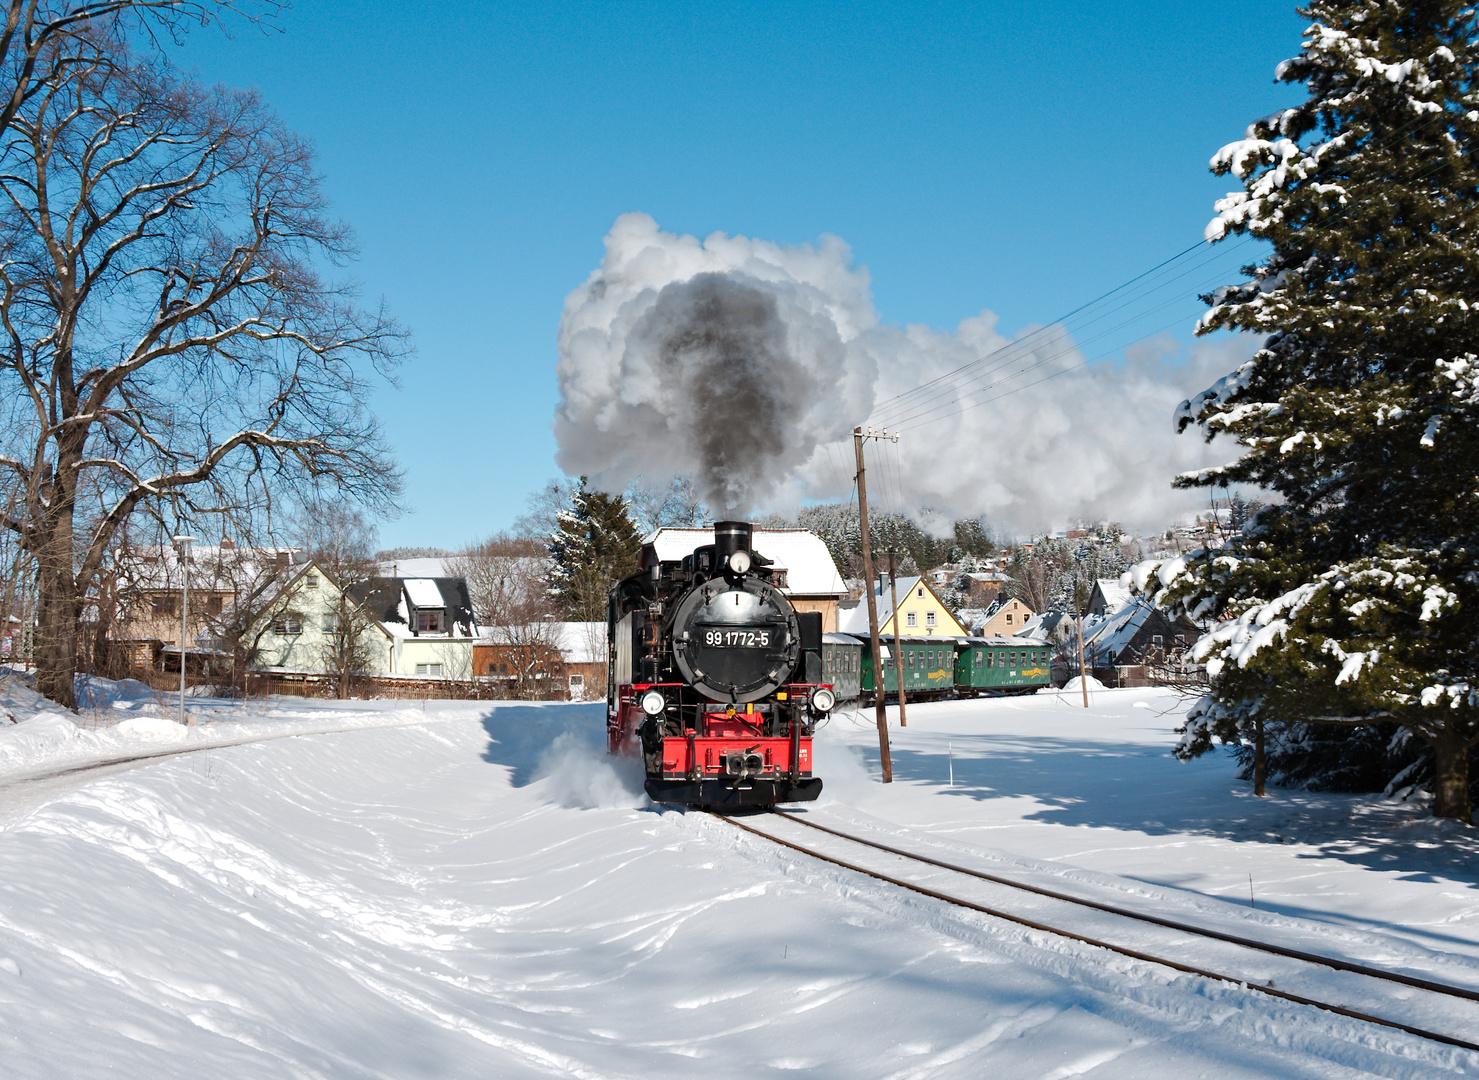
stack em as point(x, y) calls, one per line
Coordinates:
point(183, 543)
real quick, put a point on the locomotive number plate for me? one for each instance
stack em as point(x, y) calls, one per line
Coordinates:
point(737, 639)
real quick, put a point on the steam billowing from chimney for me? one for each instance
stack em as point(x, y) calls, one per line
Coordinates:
point(749, 364)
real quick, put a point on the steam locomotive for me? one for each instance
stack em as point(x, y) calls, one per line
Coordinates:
point(714, 678)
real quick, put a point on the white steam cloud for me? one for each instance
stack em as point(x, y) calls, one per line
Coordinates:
point(749, 364)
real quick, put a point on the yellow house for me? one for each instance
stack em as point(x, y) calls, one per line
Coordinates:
point(1006, 621)
point(921, 613)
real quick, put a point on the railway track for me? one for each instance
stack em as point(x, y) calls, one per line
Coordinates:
point(1379, 975)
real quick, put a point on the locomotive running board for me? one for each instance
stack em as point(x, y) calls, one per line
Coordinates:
point(756, 792)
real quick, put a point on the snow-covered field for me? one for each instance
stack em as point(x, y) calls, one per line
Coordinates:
point(466, 890)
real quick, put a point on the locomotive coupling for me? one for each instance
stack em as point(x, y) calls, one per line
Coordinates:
point(742, 764)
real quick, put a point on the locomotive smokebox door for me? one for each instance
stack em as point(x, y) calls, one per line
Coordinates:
point(736, 642)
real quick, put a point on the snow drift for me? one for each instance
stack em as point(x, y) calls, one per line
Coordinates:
point(749, 363)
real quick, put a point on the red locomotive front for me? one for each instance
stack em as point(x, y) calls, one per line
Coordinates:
point(714, 678)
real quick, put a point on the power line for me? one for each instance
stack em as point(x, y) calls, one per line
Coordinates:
point(886, 410)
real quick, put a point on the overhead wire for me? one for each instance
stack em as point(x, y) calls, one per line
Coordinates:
point(911, 400)
point(931, 412)
point(1150, 281)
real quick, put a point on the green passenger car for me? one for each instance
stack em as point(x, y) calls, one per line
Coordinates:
point(842, 664)
point(1001, 665)
point(929, 667)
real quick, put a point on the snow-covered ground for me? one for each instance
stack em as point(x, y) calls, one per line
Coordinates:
point(476, 891)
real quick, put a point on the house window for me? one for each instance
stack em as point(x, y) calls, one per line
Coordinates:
point(428, 622)
point(929, 618)
point(331, 623)
point(428, 669)
point(213, 605)
point(1009, 618)
point(577, 682)
point(1156, 640)
point(311, 581)
point(492, 668)
point(913, 618)
point(921, 591)
point(163, 604)
point(286, 625)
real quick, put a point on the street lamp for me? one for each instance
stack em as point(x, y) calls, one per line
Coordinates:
point(184, 542)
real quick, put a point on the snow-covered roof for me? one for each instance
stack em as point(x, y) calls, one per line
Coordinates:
point(415, 568)
point(1043, 624)
point(582, 642)
point(1109, 637)
point(212, 567)
point(855, 620)
point(809, 568)
point(423, 592)
point(1017, 642)
point(1116, 596)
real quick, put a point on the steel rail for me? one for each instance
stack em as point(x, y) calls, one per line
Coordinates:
point(1446, 989)
point(1134, 954)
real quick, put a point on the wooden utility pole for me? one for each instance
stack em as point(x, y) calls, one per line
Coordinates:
point(893, 592)
point(878, 680)
point(1083, 676)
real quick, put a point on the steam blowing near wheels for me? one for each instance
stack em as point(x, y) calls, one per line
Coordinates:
point(714, 678)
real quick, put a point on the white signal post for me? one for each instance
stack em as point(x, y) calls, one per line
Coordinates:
point(183, 543)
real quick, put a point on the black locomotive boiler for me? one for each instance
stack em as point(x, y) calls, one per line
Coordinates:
point(714, 678)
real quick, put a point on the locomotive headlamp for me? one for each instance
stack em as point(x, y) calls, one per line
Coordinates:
point(823, 700)
point(739, 562)
point(653, 702)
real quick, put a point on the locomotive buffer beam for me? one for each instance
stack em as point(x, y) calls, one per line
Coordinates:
point(755, 791)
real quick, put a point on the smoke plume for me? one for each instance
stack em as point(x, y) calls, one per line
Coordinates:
point(748, 364)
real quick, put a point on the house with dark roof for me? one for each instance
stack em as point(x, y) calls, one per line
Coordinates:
point(428, 620)
point(1137, 635)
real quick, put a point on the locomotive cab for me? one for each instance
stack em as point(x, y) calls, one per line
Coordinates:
point(714, 678)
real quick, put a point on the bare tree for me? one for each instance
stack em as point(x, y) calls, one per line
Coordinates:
point(340, 541)
point(506, 579)
point(41, 38)
point(163, 317)
point(676, 503)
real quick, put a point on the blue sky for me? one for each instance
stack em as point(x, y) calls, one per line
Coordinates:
point(1017, 158)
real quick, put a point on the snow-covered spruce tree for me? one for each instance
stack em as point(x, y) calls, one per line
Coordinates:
point(594, 546)
point(1356, 599)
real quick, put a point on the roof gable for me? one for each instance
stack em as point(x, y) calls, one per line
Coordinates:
point(808, 564)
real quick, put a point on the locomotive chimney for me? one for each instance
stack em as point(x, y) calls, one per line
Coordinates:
point(729, 537)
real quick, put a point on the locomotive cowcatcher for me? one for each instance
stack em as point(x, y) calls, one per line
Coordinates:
point(714, 678)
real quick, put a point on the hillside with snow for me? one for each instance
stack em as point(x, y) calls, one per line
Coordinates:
point(317, 889)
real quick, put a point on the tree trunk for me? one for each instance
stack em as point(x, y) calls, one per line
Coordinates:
point(57, 611)
point(1451, 785)
point(56, 628)
point(1260, 762)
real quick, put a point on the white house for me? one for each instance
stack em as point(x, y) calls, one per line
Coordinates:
point(413, 626)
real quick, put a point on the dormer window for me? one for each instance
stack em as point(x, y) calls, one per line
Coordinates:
point(428, 622)
point(312, 581)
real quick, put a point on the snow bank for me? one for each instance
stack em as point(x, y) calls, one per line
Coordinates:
point(477, 896)
point(582, 776)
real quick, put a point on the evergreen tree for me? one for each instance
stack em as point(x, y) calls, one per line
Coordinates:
point(594, 545)
point(1355, 600)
